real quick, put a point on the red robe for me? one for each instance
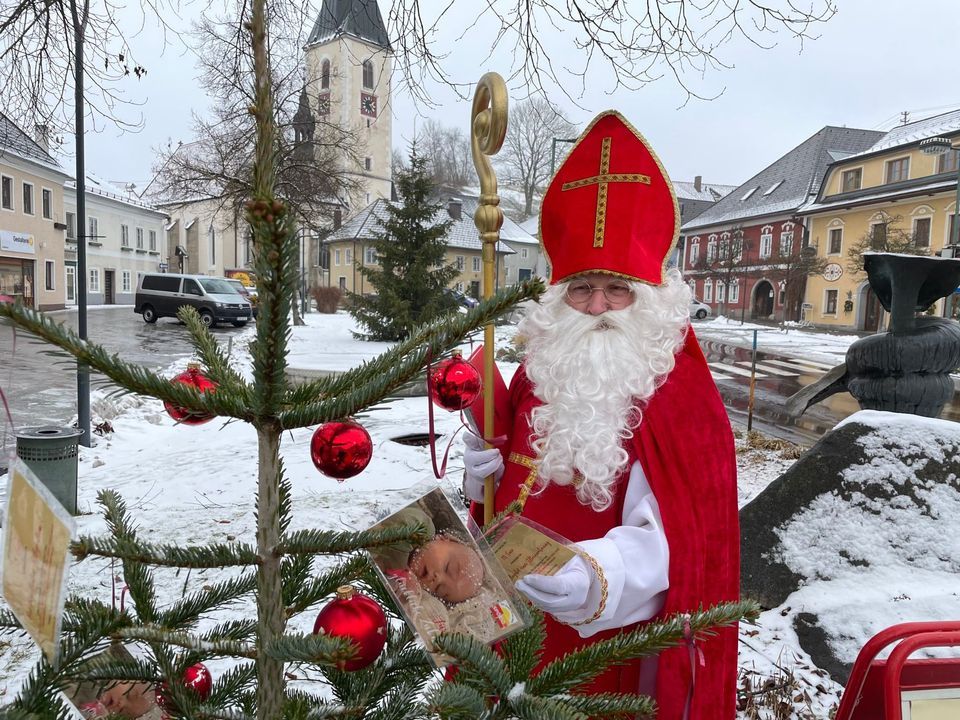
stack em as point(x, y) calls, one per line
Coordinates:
point(685, 447)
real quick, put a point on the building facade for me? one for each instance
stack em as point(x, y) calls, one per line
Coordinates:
point(348, 74)
point(893, 191)
point(743, 254)
point(353, 244)
point(125, 238)
point(32, 228)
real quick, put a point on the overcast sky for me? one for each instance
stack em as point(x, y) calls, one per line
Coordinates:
point(872, 61)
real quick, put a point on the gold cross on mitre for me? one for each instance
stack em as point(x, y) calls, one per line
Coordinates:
point(602, 180)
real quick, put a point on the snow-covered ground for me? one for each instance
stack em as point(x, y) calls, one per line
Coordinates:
point(196, 484)
point(790, 340)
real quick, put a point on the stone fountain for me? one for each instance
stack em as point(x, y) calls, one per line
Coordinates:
point(907, 368)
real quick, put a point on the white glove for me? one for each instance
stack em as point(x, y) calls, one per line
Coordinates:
point(478, 463)
point(564, 592)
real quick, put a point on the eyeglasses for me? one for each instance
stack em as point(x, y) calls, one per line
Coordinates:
point(617, 291)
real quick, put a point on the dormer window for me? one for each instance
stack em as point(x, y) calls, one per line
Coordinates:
point(851, 180)
point(368, 74)
point(898, 170)
point(325, 75)
point(749, 192)
point(773, 187)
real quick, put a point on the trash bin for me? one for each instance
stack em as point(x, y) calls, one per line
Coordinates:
point(51, 452)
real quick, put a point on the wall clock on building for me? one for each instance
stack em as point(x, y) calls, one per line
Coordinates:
point(323, 104)
point(832, 272)
point(368, 105)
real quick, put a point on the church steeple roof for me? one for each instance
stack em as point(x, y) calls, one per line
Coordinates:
point(356, 18)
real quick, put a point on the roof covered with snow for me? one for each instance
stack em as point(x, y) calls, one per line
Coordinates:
point(790, 181)
point(15, 141)
point(104, 188)
point(944, 124)
point(709, 192)
point(367, 223)
point(360, 19)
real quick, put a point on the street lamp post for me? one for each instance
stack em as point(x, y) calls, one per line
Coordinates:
point(941, 146)
point(553, 152)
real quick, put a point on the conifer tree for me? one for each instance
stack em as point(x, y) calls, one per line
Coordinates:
point(410, 275)
point(276, 568)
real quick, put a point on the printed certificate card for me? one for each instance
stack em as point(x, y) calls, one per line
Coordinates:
point(524, 547)
point(36, 556)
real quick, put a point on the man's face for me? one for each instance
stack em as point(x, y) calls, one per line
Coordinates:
point(448, 569)
point(595, 293)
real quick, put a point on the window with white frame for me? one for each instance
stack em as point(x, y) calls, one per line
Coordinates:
point(725, 246)
point(523, 253)
point(830, 307)
point(921, 232)
point(139, 238)
point(735, 291)
point(153, 241)
point(476, 264)
point(94, 281)
point(738, 246)
point(782, 297)
point(786, 244)
point(46, 200)
point(28, 198)
point(766, 242)
point(693, 287)
point(721, 288)
point(898, 170)
point(6, 192)
point(125, 281)
point(93, 231)
point(694, 251)
point(336, 257)
point(71, 226)
point(459, 287)
point(212, 243)
point(460, 262)
point(712, 249)
point(49, 273)
point(348, 256)
point(124, 236)
point(708, 291)
point(836, 241)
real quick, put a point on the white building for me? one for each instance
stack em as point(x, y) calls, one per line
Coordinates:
point(530, 259)
point(125, 238)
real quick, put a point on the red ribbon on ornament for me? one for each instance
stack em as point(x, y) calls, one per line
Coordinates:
point(696, 658)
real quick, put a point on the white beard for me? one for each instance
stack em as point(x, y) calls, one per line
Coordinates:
point(593, 373)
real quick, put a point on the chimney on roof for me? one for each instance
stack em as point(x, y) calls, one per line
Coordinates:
point(455, 208)
point(697, 183)
point(43, 136)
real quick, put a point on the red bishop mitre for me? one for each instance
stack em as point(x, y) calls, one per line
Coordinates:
point(611, 207)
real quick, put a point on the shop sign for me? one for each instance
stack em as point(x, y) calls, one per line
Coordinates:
point(17, 242)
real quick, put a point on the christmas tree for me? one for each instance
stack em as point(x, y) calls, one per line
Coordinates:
point(277, 567)
point(411, 277)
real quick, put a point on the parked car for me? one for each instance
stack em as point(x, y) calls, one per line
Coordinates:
point(461, 299)
point(250, 293)
point(163, 294)
point(699, 310)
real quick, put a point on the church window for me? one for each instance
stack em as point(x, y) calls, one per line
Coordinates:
point(325, 75)
point(367, 164)
point(368, 74)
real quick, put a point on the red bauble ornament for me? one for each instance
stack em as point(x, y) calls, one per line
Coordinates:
point(357, 618)
point(193, 377)
point(341, 449)
point(454, 383)
point(196, 677)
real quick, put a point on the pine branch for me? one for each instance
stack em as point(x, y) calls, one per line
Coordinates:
point(531, 707)
point(582, 666)
point(371, 383)
point(453, 701)
point(315, 542)
point(133, 378)
point(231, 683)
point(138, 577)
point(315, 590)
point(216, 555)
point(212, 356)
point(155, 634)
point(475, 655)
point(105, 667)
point(616, 706)
point(349, 380)
point(521, 651)
point(183, 613)
point(317, 649)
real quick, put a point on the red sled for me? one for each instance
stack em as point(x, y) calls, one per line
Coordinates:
point(899, 688)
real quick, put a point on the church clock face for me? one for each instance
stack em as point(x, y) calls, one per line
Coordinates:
point(368, 105)
point(832, 272)
point(323, 104)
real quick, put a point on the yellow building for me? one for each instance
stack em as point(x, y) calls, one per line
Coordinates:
point(354, 243)
point(893, 187)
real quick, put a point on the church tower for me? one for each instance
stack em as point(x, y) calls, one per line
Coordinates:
point(348, 71)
